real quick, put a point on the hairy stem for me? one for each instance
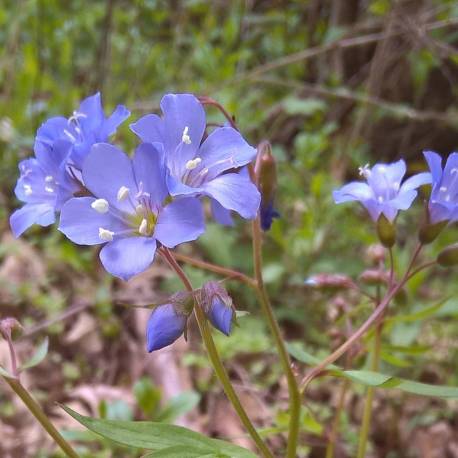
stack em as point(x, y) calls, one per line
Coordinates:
point(214, 357)
point(38, 413)
point(217, 269)
point(294, 395)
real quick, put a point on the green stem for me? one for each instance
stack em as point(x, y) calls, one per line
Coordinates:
point(367, 414)
point(38, 413)
point(335, 424)
point(215, 359)
point(294, 395)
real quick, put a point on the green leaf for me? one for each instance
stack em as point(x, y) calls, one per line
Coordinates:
point(178, 406)
point(39, 355)
point(158, 436)
point(180, 451)
point(377, 379)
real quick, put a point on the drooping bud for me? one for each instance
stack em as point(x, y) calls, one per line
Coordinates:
point(332, 282)
point(448, 257)
point(167, 322)
point(217, 305)
point(7, 325)
point(375, 254)
point(386, 231)
point(266, 177)
point(374, 277)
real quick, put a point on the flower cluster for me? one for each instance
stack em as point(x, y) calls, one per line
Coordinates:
point(385, 192)
point(130, 205)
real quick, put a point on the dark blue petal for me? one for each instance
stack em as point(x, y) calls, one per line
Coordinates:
point(268, 213)
point(435, 166)
point(220, 315)
point(164, 326)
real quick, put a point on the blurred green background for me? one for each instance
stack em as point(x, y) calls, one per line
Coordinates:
point(333, 85)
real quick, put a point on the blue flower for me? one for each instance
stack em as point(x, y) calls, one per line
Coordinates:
point(87, 126)
point(130, 209)
point(217, 305)
point(197, 168)
point(165, 325)
point(383, 193)
point(443, 203)
point(43, 186)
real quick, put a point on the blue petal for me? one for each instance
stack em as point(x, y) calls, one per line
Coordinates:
point(385, 177)
point(440, 211)
point(355, 190)
point(221, 316)
point(235, 192)
point(222, 150)
point(149, 128)
point(416, 181)
point(181, 111)
point(164, 326)
point(106, 169)
point(91, 107)
point(116, 118)
point(127, 257)
point(450, 175)
point(180, 221)
point(29, 214)
point(435, 166)
point(221, 215)
point(149, 169)
point(50, 131)
point(373, 207)
point(177, 188)
point(81, 223)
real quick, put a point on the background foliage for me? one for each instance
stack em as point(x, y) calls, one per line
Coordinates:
point(332, 84)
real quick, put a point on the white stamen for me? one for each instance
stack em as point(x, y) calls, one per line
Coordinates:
point(193, 163)
point(27, 189)
point(443, 188)
point(364, 171)
point(185, 138)
point(100, 205)
point(105, 234)
point(380, 199)
point(69, 135)
point(122, 193)
point(382, 169)
point(143, 228)
point(49, 178)
point(49, 189)
point(447, 198)
point(453, 171)
point(139, 208)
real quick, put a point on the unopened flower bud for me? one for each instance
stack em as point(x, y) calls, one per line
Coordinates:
point(266, 177)
point(217, 305)
point(329, 281)
point(375, 253)
point(374, 277)
point(7, 325)
point(448, 257)
point(168, 321)
point(386, 231)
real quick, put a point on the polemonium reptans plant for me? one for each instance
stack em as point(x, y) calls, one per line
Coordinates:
point(142, 206)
